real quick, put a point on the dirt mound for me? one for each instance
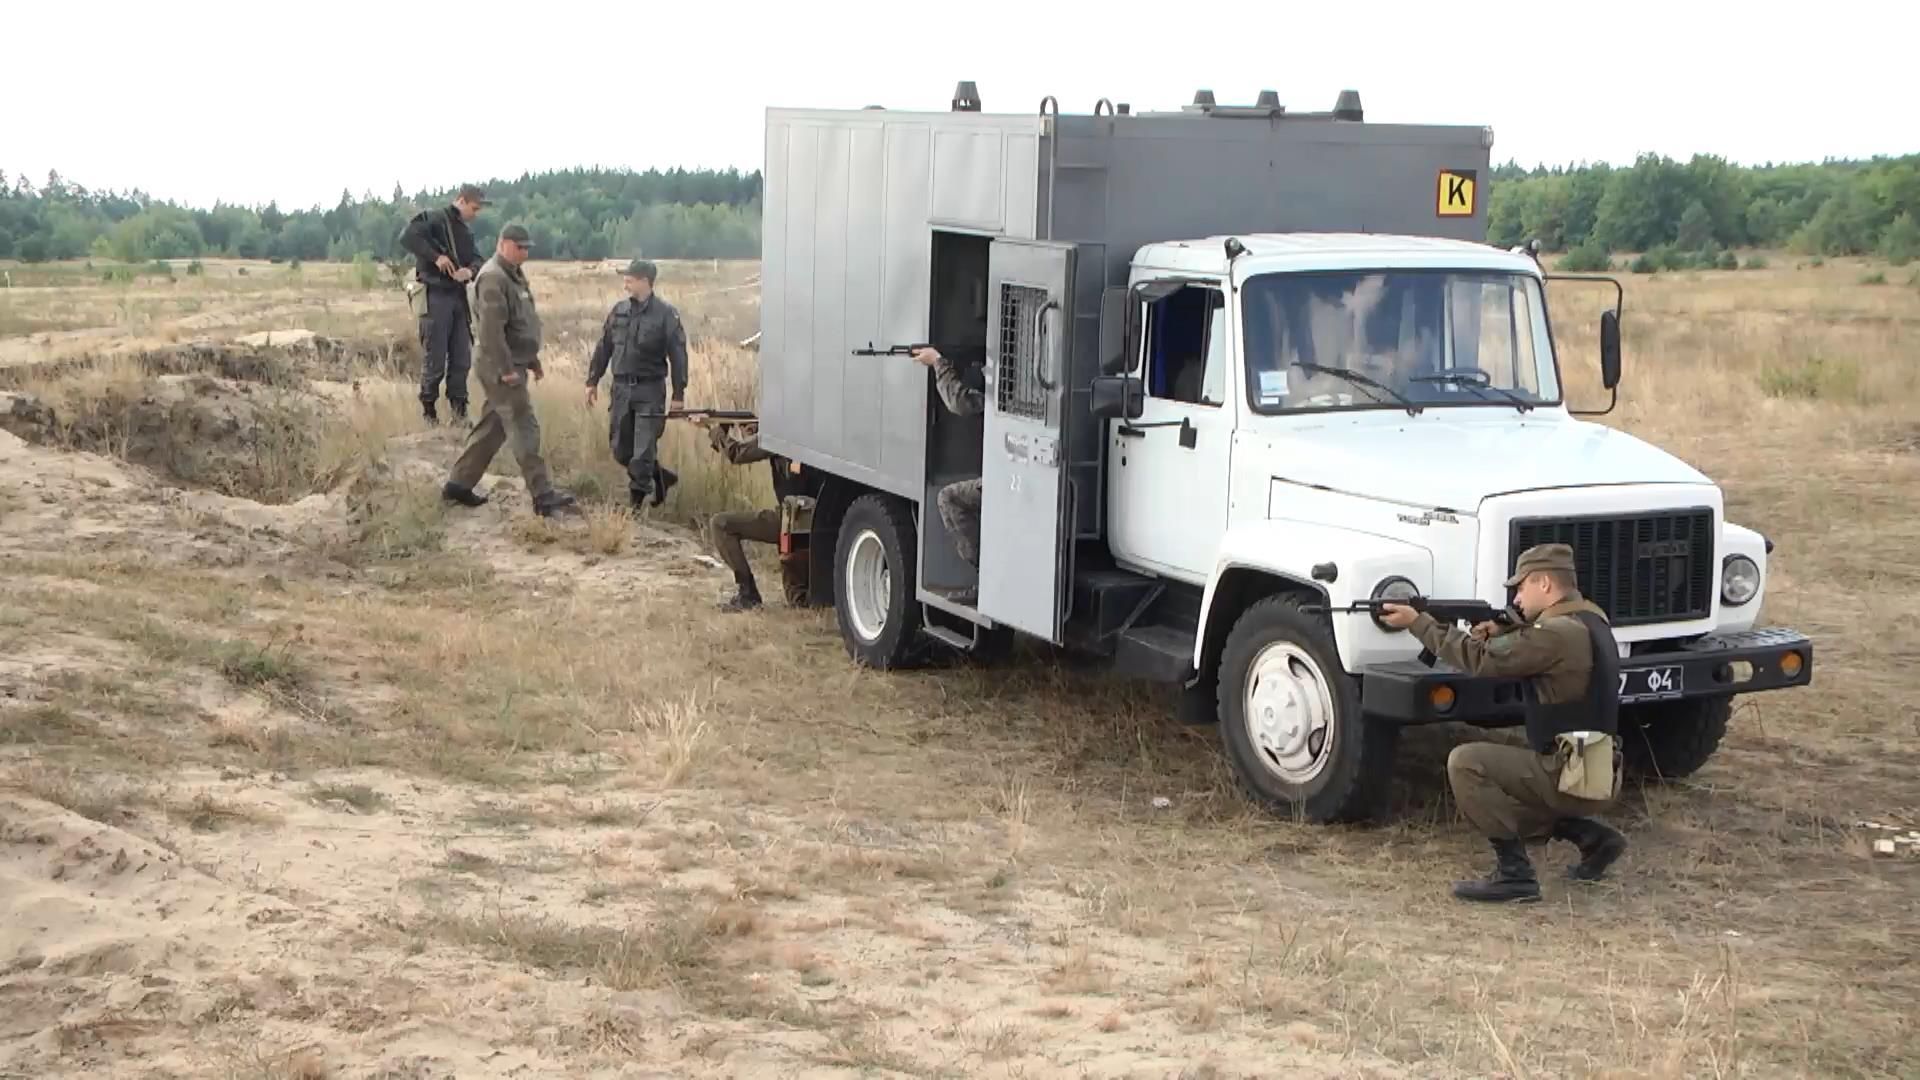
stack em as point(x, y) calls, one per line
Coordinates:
point(276, 358)
point(233, 437)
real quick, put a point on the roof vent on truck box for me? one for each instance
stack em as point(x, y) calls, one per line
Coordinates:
point(966, 98)
point(1348, 106)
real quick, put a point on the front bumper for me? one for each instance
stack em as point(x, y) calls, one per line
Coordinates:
point(1717, 665)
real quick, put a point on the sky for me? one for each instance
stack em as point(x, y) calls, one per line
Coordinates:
point(246, 103)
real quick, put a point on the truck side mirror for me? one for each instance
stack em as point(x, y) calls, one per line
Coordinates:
point(1113, 331)
point(1610, 349)
point(1117, 397)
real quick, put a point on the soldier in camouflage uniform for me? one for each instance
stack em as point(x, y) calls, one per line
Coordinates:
point(508, 354)
point(959, 501)
point(644, 344)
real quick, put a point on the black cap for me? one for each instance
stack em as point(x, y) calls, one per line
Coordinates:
point(474, 195)
point(517, 234)
point(642, 268)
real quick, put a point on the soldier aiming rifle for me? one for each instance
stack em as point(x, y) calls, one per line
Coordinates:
point(735, 434)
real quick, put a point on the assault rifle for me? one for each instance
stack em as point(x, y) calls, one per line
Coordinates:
point(1447, 612)
point(735, 415)
point(956, 353)
point(895, 350)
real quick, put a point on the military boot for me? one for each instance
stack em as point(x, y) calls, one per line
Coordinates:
point(453, 492)
point(556, 503)
point(459, 412)
point(1600, 844)
point(663, 481)
point(746, 596)
point(1512, 880)
point(428, 413)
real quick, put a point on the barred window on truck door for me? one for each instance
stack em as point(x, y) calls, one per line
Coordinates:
point(1019, 390)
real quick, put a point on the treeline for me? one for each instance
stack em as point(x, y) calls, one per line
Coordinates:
point(1701, 208)
point(572, 214)
point(1706, 206)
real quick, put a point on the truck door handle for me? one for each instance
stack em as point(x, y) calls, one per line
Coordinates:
point(1188, 433)
point(1041, 365)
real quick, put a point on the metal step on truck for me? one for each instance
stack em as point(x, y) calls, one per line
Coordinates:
point(1241, 366)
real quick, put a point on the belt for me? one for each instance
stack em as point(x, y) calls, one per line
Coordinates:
point(632, 380)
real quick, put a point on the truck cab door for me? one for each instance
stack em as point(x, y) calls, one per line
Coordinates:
point(1168, 469)
point(1023, 504)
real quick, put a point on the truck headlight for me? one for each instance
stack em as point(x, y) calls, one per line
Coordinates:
point(1739, 580)
point(1393, 588)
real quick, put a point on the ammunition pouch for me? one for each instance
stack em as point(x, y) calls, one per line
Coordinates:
point(1588, 766)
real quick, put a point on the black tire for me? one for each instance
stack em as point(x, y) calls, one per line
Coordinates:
point(1667, 740)
point(1356, 769)
point(896, 643)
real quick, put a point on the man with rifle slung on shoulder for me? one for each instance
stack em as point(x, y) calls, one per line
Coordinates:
point(445, 259)
point(1564, 650)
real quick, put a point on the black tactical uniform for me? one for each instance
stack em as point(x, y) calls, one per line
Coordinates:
point(644, 345)
point(446, 340)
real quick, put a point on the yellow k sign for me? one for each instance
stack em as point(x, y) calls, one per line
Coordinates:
point(1456, 192)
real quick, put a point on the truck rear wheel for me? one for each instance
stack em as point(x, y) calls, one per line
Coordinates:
point(1290, 719)
point(873, 598)
point(1672, 739)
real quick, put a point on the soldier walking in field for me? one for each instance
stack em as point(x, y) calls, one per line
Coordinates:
point(508, 355)
point(644, 345)
point(1570, 767)
point(445, 260)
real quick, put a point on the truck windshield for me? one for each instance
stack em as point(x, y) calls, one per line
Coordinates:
point(1383, 339)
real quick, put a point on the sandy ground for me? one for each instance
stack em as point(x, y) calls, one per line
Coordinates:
point(287, 791)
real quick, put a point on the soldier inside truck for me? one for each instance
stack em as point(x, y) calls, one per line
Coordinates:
point(957, 322)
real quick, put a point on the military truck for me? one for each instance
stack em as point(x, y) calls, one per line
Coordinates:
point(1242, 366)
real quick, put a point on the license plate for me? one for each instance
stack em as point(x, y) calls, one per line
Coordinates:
point(1647, 684)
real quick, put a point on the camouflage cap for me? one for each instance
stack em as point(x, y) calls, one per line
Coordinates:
point(1541, 557)
point(474, 195)
point(518, 234)
point(642, 268)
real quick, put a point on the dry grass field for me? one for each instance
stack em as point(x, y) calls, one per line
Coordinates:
point(304, 775)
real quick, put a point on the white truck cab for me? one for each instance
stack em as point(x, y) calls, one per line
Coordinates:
point(1196, 452)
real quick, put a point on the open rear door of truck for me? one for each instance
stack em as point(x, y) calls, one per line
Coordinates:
point(1023, 506)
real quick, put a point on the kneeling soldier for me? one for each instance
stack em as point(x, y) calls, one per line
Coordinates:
point(727, 530)
point(1570, 767)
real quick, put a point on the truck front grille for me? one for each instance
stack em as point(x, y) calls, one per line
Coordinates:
point(1640, 568)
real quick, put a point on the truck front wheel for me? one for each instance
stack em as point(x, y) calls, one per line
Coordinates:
point(873, 596)
point(1672, 739)
point(1290, 719)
